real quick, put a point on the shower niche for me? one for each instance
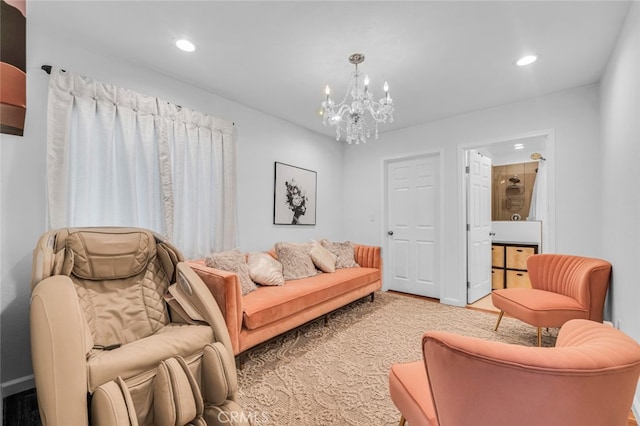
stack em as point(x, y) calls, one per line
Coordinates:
point(512, 191)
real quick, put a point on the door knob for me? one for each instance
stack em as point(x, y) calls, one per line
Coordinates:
point(390, 232)
point(491, 234)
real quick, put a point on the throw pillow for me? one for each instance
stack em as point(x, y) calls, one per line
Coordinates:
point(232, 261)
point(296, 260)
point(322, 257)
point(345, 253)
point(264, 269)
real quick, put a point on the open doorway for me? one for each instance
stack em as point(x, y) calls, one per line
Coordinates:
point(522, 212)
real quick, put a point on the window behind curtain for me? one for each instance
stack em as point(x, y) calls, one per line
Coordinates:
point(119, 158)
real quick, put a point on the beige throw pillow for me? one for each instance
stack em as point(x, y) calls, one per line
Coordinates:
point(232, 261)
point(264, 269)
point(322, 257)
point(296, 260)
point(345, 253)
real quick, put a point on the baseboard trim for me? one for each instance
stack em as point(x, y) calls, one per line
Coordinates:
point(18, 385)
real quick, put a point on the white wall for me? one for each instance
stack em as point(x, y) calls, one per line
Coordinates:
point(261, 140)
point(620, 105)
point(573, 115)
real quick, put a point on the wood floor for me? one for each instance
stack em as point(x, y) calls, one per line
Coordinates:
point(484, 304)
point(21, 409)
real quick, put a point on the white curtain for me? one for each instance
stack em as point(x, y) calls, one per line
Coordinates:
point(119, 158)
point(538, 207)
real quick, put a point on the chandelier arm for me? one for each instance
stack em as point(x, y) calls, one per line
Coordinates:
point(378, 116)
point(342, 109)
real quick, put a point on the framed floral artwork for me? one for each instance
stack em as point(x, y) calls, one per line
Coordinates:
point(294, 195)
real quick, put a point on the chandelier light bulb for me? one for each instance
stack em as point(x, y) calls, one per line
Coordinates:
point(327, 91)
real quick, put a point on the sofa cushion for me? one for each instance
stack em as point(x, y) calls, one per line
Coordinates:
point(296, 260)
point(410, 391)
point(345, 253)
point(270, 304)
point(264, 269)
point(232, 261)
point(323, 258)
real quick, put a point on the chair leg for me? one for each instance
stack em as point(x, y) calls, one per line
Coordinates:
point(499, 319)
point(402, 421)
point(240, 359)
point(539, 336)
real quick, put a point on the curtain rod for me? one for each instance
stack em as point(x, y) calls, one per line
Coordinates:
point(47, 69)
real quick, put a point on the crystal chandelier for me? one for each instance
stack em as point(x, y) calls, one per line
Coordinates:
point(351, 116)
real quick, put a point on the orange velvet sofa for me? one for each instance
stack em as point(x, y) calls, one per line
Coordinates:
point(272, 310)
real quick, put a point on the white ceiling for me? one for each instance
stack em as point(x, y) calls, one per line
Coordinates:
point(441, 58)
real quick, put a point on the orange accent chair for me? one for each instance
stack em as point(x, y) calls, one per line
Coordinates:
point(589, 378)
point(563, 287)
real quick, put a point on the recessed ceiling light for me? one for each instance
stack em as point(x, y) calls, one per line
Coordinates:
point(185, 45)
point(518, 146)
point(526, 60)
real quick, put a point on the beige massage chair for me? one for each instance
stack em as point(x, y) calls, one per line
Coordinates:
point(124, 333)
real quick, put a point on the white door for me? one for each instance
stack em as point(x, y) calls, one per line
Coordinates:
point(479, 226)
point(413, 197)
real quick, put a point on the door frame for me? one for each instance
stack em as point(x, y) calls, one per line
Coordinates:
point(384, 226)
point(549, 230)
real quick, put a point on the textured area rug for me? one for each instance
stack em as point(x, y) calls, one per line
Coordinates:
point(337, 374)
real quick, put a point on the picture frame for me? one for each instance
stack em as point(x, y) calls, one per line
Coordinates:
point(294, 195)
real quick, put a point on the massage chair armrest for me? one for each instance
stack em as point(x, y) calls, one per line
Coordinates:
point(60, 341)
point(368, 256)
point(196, 293)
point(226, 290)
